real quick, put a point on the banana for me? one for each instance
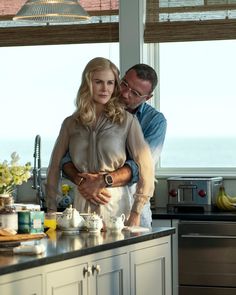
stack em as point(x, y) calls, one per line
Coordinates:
point(218, 201)
point(228, 205)
point(222, 204)
point(224, 201)
point(232, 199)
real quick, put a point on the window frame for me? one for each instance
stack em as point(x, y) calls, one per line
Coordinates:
point(156, 32)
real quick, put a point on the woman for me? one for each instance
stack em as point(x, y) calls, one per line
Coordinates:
point(97, 136)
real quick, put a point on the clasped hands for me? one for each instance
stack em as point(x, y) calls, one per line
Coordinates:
point(92, 188)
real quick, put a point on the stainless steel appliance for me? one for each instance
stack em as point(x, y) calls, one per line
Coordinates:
point(192, 193)
point(207, 258)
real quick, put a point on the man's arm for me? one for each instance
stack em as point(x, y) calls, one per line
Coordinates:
point(120, 177)
point(93, 186)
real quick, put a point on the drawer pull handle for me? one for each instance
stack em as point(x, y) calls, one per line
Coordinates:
point(96, 268)
point(87, 271)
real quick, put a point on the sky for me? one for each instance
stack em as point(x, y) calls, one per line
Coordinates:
point(39, 85)
point(197, 85)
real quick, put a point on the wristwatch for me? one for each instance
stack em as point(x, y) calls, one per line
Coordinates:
point(108, 180)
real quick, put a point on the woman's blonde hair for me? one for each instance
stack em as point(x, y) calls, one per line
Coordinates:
point(86, 112)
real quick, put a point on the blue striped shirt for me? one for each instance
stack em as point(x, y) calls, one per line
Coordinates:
point(153, 124)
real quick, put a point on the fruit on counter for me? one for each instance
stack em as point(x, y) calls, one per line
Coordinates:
point(224, 201)
point(232, 199)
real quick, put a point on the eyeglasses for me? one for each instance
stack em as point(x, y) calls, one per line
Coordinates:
point(133, 92)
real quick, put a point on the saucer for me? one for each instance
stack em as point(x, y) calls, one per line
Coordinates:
point(93, 231)
point(69, 231)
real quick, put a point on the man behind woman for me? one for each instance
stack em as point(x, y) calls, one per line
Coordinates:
point(136, 89)
point(97, 136)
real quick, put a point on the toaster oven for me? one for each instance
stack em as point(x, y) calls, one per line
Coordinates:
point(192, 193)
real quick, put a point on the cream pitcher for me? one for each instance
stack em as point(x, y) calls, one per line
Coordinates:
point(116, 223)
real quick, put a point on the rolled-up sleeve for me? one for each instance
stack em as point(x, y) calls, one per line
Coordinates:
point(154, 126)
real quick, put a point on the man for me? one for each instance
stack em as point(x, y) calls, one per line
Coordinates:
point(136, 88)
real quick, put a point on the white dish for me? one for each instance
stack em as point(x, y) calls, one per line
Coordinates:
point(69, 231)
point(68, 228)
point(94, 230)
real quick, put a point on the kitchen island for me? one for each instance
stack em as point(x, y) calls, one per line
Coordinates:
point(104, 263)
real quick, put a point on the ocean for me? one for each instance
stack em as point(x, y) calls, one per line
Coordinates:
point(199, 152)
point(177, 152)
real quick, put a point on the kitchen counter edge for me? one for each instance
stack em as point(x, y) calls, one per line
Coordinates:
point(13, 263)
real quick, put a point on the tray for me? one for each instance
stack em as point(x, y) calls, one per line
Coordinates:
point(22, 237)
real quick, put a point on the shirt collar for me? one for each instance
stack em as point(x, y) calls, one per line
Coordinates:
point(140, 109)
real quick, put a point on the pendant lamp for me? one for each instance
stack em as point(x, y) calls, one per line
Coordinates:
point(48, 11)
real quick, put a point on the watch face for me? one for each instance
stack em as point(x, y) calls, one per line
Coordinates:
point(108, 179)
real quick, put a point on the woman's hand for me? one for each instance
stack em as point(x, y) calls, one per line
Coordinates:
point(133, 220)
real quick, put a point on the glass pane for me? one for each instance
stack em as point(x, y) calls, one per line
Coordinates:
point(38, 89)
point(198, 99)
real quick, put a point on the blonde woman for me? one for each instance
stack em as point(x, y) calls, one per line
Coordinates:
point(97, 136)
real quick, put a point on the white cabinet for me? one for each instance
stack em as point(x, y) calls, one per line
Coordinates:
point(138, 269)
point(151, 270)
point(110, 276)
point(26, 283)
point(132, 270)
point(68, 280)
point(174, 250)
point(103, 276)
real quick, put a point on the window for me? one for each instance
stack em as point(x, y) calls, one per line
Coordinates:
point(197, 96)
point(38, 88)
point(196, 42)
point(41, 67)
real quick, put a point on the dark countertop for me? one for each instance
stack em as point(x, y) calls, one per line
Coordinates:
point(61, 246)
point(203, 216)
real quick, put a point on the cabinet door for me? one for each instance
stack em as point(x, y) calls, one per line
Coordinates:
point(28, 286)
point(70, 280)
point(110, 276)
point(151, 271)
point(174, 250)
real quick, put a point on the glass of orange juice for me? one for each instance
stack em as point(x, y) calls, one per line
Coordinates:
point(50, 220)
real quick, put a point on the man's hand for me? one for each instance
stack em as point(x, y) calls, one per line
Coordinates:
point(92, 188)
point(133, 220)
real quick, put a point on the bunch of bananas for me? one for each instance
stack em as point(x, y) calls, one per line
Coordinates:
point(224, 201)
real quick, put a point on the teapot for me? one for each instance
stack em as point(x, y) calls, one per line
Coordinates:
point(94, 223)
point(116, 223)
point(70, 218)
